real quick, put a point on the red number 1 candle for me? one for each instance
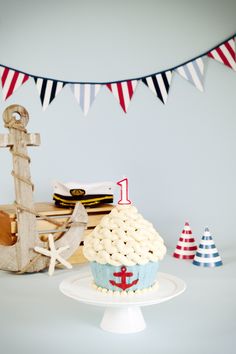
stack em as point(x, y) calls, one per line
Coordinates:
point(124, 197)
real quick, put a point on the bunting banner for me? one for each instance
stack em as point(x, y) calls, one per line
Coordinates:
point(123, 90)
point(85, 95)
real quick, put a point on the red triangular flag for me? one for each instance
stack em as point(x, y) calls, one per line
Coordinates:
point(123, 92)
point(11, 80)
point(225, 54)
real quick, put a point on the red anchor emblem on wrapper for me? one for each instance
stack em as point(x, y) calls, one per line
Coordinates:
point(123, 275)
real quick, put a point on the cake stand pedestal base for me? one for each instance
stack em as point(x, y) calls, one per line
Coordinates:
point(125, 319)
point(122, 313)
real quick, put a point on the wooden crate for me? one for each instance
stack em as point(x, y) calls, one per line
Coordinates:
point(60, 215)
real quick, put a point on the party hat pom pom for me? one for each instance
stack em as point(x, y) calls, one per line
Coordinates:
point(207, 254)
point(186, 246)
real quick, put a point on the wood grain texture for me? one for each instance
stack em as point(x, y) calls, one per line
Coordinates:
point(6, 236)
point(44, 225)
point(23, 191)
point(21, 256)
point(95, 215)
point(49, 209)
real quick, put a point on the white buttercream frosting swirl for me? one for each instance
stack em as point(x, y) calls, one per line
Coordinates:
point(124, 237)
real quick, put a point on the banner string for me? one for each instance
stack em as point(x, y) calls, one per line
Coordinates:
point(123, 80)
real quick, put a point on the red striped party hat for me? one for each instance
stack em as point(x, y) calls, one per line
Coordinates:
point(186, 246)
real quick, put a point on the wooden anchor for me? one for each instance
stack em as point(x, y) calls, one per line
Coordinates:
point(21, 256)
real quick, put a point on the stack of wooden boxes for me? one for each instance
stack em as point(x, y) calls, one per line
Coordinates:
point(60, 215)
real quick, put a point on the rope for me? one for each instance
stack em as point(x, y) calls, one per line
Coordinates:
point(13, 125)
point(33, 260)
point(21, 207)
point(65, 224)
point(23, 179)
point(23, 156)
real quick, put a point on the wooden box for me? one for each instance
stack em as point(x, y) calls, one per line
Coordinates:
point(59, 215)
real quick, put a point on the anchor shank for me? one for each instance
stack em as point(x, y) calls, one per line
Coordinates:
point(26, 229)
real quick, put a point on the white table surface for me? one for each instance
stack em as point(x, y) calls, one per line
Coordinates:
point(36, 318)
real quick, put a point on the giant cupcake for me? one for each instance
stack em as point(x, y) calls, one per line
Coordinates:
point(124, 251)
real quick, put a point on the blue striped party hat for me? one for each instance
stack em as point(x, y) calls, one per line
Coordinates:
point(207, 254)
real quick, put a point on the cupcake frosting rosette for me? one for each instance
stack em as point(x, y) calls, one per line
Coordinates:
point(124, 242)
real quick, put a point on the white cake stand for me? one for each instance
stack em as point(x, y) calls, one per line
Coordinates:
point(122, 313)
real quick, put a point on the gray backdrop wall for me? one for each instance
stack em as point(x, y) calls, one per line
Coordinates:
point(179, 158)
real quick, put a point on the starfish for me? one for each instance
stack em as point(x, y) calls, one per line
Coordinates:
point(54, 254)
